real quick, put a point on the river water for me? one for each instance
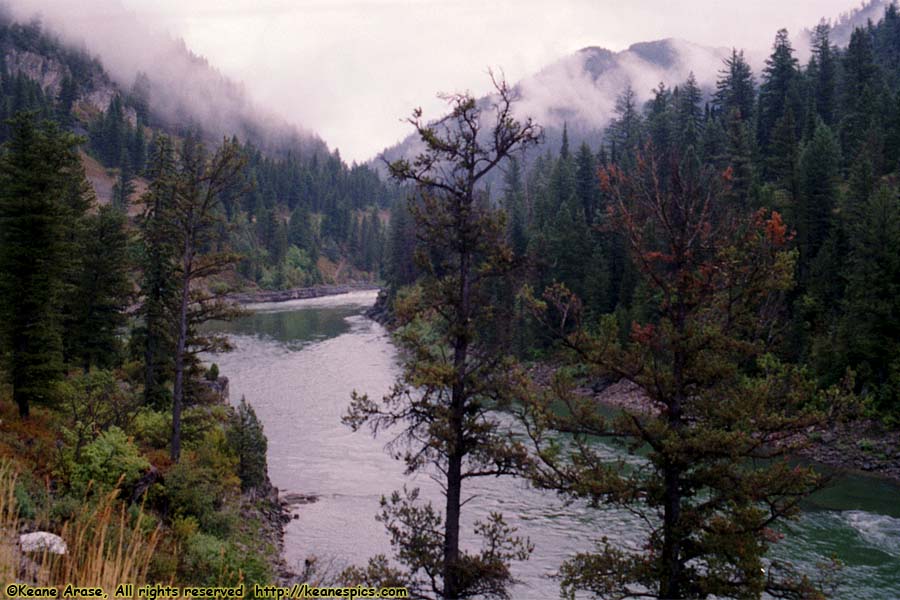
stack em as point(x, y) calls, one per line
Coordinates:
point(297, 363)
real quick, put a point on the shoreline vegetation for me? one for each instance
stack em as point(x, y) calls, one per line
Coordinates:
point(860, 445)
point(302, 293)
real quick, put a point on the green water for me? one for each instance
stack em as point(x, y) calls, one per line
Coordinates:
point(298, 362)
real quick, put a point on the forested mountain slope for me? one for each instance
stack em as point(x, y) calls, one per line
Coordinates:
point(817, 141)
point(308, 215)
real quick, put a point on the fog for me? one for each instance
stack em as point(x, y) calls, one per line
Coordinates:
point(350, 70)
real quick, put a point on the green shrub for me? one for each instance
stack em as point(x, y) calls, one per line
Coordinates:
point(64, 508)
point(107, 459)
point(152, 428)
point(213, 373)
point(211, 561)
point(865, 444)
point(24, 502)
point(202, 480)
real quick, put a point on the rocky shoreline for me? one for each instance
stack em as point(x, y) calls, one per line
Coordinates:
point(266, 507)
point(317, 291)
point(861, 446)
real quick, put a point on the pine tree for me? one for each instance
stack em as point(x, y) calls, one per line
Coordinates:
point(514, 205)
point(401, 268)
point(819, 170)
point(775, 94)
point(626, 129)
point(65, 101)
point(124, 187)
point(689, 113)
point(196, 210)
point(249, 442)
point(101, 292)
point(869, 333)
point(782, 156)
point(660, 120)
point(586, 188)
point(860, 88)
point(43, 196)
point(823, 72)
point(301, 231)
point(715, 398)
point(453, 376)
point(154, 339)
point(734, 89)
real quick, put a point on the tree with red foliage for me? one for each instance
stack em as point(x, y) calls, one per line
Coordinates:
point(721, 411)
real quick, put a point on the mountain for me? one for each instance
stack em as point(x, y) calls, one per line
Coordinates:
point(843, 26)
point(151, 69)
point(307, 217)
point(579, 91)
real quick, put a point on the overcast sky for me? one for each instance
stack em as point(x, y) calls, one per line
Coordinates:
point(351, 69)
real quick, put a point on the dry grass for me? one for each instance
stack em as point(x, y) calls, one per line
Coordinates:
point(9, 524)
point(106, 545)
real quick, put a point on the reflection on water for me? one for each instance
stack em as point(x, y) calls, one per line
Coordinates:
point(297, 363)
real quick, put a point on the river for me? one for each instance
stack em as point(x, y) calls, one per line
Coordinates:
point(297, 363)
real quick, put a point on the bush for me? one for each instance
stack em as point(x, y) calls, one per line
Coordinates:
point(152, 428)
point(24, 502)
point(211, 561)
point(91, 402)
point(107, 459)
point(213, 373)
point(200, 483)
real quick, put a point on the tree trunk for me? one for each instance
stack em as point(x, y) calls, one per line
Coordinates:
point(671, 585)
point(178, 389)
point(451, 525)
point(454, 460)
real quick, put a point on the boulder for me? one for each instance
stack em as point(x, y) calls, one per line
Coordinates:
point(39, 541)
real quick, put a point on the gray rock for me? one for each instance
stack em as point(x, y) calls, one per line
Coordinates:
point(38, 541)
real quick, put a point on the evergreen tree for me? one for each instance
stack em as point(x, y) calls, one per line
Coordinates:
point(783, 153)
point(734, 89)
point(586, 188)
point(249, 442)
point(775, 94)
point(401, 249)
point(155, 336)
point(301, 231)
point(626, 129)
point(43, 196)
point(869, 333)
point(101, 292)
point(860, 88)
point(124, 187)
point(689, 112)
point(514, 205)
point(199, 183)
point(716, 277)
point(823, 72)
point(660, 120)
point(453, 376)
point(68, 93)
point(819, 169)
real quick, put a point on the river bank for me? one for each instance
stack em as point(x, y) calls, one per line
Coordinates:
point(317, 291)
point(861, 445)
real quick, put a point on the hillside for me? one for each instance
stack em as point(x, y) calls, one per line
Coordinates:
point(303, 201)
